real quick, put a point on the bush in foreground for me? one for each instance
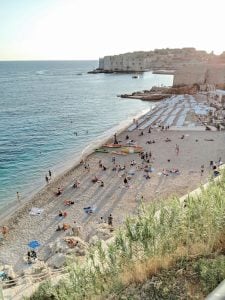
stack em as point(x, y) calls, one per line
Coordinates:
point(155, 242)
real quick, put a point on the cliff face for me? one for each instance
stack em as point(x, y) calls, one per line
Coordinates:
point(158, 59)
point(200, 74)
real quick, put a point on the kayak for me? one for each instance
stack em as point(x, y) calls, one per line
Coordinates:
point(101, 150)
point(119, 152)
point(112, 146)
point(131, 150)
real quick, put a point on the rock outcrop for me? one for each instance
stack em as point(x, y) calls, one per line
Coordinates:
point(159, 59)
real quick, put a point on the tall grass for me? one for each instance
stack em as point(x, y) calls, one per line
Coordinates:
point(161, 233)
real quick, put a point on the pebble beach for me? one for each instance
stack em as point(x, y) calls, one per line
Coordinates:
point(196, 148)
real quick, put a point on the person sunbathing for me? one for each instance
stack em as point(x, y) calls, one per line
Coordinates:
point(59, 192)
point(76, 184)
point(95, 179)
point(165, 172)
point(5, 231)
point(68, 202)
point(65, 226)
point(167, 140)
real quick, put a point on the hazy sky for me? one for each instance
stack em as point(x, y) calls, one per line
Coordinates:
point(89, 29)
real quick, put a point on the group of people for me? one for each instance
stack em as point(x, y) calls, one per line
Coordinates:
point(31, 256)
point(48, 177)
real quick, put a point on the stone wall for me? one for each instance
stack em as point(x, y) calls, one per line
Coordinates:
point(150, 60)
point(200, 74)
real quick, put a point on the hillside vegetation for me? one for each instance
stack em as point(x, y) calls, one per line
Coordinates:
point(170, 250)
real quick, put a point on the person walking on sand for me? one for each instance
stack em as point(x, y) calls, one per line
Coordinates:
point(202, 170)
point(110, 220)
point(177, 148)
point(46, 179)
point(18, 196)
point(115, 139)
point(50, 173)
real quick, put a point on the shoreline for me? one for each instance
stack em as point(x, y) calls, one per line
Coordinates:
point(7, 212)
point(115, 196)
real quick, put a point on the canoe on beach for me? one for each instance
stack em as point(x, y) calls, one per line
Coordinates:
point(101, 150)
point(119, 153)
point(131, 149)
point(112, 146)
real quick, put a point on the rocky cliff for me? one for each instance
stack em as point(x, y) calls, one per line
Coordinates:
point(167, 59)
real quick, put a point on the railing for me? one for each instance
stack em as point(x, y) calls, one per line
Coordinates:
point(27, 284)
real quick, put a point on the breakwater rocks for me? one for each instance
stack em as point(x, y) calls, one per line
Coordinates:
point(159, 93)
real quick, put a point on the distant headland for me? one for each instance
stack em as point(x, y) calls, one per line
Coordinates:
point(189, 66)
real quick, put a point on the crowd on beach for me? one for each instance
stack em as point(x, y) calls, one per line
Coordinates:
point(113, 165)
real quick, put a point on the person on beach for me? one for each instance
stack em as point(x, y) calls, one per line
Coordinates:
point(202, 170)
point(127, 137)
point(125, 182)
point(113, 160)
point(50, 174)
point(95, 179)
point(46, 179)
point(68, 202)
point(102, 183)
point(110, 220)
point(115, 139)
point(102, 221)
point(5, 231)
point(76, 184)
point(177, 149)
point(149, 130)
point(18, 196)
point(59, 192)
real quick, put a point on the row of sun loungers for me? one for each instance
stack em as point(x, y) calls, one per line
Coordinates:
point(174, 109)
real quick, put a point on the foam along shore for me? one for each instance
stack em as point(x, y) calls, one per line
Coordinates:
point(171, 164)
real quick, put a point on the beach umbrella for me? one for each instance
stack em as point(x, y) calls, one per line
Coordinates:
point(34, 244)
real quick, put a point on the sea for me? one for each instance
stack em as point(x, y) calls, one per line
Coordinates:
point(53, 112)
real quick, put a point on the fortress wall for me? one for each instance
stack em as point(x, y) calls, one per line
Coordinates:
point(190, 74)
point(200, 74)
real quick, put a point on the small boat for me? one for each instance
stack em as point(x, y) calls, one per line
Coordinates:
point(131, 150)
point(135, 76)
point(102, 150)
point(112, 146)
point(119, 153)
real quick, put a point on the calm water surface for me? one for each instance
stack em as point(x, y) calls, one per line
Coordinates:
point(43, 104)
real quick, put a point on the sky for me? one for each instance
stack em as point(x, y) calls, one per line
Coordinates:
point(89, 29)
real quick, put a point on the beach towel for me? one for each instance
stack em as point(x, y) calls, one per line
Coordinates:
point(35, 211)
point(89, 209)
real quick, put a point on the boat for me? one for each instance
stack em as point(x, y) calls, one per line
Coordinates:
point(119, 153)
point(112, 146)
point(131, 150)
point(102, 150)
point(135, 76)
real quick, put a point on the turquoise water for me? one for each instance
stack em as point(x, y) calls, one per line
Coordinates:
point(43, 104)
